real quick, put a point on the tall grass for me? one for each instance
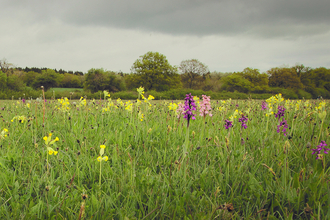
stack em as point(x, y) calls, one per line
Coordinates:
point(238, 173)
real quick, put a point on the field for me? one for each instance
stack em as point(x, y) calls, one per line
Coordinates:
point(113, 159)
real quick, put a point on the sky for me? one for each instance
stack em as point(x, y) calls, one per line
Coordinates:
point(227, 36)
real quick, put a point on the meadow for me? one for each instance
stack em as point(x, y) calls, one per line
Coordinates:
point(138, 159)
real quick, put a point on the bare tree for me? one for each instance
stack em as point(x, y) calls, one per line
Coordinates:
point(5, 66)
point(193, 73)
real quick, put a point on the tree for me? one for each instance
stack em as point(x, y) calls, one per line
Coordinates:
point(259, 82)
point(192, 73)
point(48, 79)
point(153, 72)
point(3, 81)
point(29, 77)
point(235, 82)
point(284, 77)
point(5, 66)
point(99, 80)
point(70, 81)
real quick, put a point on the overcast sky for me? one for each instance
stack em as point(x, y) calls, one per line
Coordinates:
point(226, 35)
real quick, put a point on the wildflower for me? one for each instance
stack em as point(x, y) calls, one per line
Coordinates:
point(228, 124)
point(106, 94)
point(51, 151)
point(105, 158)
point(188, 108)
point(282, 126)
point(205, 106)
point(172, 106)
point(48, 140)
point(129, 106)
point(264, 105)
point(318, 149)
point(140, 90)
point(100, 159)
point(141, 116)
point(20, 119)
point(280, 113)
point(243, 120)
point(3, 133)
point(180, 110)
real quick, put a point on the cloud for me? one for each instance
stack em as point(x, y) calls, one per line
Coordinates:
point(262, 18)
point(225, 35)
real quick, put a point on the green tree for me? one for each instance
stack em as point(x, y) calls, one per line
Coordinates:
point(3, 81)
point(70, 81)
point(14, 83)
point(235, 82)
point(259, 82)
point(193, 73)
point(48, 79)
point(284, 77)
point(153, 72)
point(98, 80)
point(29, 77)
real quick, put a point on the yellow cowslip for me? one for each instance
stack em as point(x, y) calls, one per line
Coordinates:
point(51, 151)
point(172, 106)
point(3, 133)
point(99, 159)
point(151, 97)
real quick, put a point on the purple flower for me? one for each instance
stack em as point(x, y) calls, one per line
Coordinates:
point(264, 105)
point(228, 124)
point(320, 147)
point(189, 106)
point(243, 120)
point(280, 113)
point(282, 126)
point(23, 100)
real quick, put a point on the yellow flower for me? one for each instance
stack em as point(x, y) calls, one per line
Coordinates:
point(105, 158)
point(102, 146)
point(57, 139)
point(51, 151)
point(45, 138)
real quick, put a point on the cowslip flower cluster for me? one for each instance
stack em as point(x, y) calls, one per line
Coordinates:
point(140, 90)
point(48, 141)
point(318, 149)
point(205, 106)
point(228, 124)
point(280, 113)
point(282, 127)
point(3, 133)
point(20, 119)
point(189, 106)
point(64, 104)
point(100, 158)
point(243, 120)
point(172, 106)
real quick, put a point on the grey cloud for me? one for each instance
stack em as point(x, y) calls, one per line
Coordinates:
point(263, 18)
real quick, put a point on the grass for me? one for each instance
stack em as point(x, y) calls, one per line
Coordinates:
point(66, 89)
point(238, 173)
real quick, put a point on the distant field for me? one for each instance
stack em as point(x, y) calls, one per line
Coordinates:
point(66, 89)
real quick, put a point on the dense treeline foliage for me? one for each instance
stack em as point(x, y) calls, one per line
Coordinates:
point(155, 74)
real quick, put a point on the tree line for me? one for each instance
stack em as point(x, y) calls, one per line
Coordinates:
point(153, 71)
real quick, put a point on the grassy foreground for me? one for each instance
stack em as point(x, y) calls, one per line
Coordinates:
point(52, 165)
